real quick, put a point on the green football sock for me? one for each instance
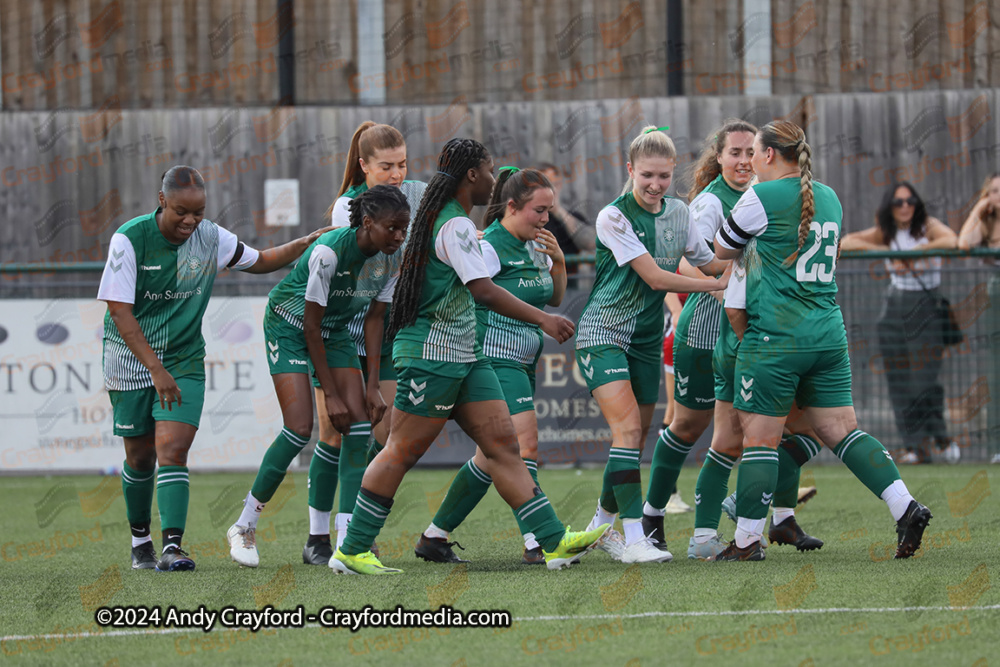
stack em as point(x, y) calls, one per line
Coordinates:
point(668, 459)
point(370, 513)
point(277, 458)
point(755, 482)
point(353, 461)
point(137, 487)
point(711, 489)
point(537, 517)
point(374, 447)
point(793, 453)
point(323, 477)
point(532, 469)
point(867, 459)
point(607, 500)
point(465, 492)
point(172, 494)
point(623, 468)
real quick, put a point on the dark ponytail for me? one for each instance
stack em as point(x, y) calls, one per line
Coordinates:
point(454, 162)
point(515, 185)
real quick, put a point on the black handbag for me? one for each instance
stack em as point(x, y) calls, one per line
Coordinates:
point(951, 333)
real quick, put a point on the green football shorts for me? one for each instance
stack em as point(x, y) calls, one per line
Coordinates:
point(602, 364)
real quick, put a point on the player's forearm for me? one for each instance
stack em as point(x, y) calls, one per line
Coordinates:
point(559, 280)
point(739, 320)
point(499, 300)
point(373, 329)
point(317, 355)
point(272, 259)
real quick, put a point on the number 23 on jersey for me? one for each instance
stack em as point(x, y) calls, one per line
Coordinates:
point(816, 266)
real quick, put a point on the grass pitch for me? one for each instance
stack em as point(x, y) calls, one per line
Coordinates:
point(65, 552)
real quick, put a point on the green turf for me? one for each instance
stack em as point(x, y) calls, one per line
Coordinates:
point(54, 575)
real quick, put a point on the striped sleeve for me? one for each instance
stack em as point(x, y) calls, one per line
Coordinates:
point(747, 220)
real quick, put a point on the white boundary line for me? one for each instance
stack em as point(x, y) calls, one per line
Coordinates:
point(528, 619)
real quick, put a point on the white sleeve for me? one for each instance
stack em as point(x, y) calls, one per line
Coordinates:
point(322, 264)
point(385, 296)
point(697, 251)
point(490, 257)
point(229, 246)
point(456, 246)
point(118, 280)
point(615, 231)
point(736, 291)
point(341, 216)
point(706, 211)
point(747, 220)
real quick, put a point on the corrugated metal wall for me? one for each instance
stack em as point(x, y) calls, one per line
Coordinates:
point(89, 53)
point(69, 179)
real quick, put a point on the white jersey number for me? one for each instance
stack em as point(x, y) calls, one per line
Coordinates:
point(819, 271)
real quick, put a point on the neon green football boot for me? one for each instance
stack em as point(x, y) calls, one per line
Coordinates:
point(366, 563)
point(574, 546)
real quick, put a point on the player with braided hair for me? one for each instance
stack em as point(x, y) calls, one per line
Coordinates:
point(794, 349)
point(305, 331)
point(442, 371)
point(525, 259)
point(377, 156)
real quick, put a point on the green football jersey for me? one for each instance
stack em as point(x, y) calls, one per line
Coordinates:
point(523, 270)
point(334, 273)
point(168, 286)
point(445, 328)
point(698, 324)
point(791, 306)
point(622, 309)
point(413, 191)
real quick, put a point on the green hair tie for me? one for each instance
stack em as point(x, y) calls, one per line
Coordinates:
point(665, 128)
point(511, 169)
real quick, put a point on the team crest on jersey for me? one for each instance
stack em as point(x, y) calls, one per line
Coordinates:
point(668, 235)
point(194, 264)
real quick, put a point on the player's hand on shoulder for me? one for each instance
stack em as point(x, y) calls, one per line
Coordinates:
point(318, 233)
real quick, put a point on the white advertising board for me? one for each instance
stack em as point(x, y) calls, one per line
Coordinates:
point(55, 412)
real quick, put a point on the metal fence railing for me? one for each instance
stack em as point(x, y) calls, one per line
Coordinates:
point(958, 385)
point(910, 388)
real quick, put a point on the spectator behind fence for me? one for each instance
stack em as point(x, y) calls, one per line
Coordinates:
point(908, 326)
point(982, 231)
point(571, 229)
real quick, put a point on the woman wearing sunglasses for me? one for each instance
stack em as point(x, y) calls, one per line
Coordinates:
point(906, 329)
